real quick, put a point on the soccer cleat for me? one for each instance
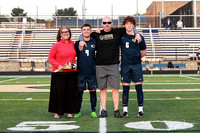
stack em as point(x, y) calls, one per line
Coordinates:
point(103, 114)
point(140, 115)
point(198, 72)
point(117, 114)
point(125, 115)
point(93, 114)
point(77, 115)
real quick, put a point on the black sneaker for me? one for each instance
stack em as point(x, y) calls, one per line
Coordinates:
point(117, 114)
point(140, 115)
point(125, 115)
point(103, 114)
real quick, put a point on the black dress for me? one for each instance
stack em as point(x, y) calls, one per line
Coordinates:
point(64, 93)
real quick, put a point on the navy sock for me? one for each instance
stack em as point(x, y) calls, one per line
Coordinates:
point(139, 94)
point(93, 100)
point(198, 68)
point(80, 94)
point(125, 95)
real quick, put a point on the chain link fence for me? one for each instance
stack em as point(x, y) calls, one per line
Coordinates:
point(54, 22)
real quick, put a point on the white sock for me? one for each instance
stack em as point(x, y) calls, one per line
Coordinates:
point(125, 109)
point(140, 109)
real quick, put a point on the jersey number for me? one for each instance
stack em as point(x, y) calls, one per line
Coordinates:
point(87, 52)
point(127, 44)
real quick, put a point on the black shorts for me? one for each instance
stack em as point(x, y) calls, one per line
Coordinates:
point(90, 80)
point(132, 73)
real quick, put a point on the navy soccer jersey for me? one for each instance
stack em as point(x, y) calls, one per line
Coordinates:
point(130, 50)
point(86, 58)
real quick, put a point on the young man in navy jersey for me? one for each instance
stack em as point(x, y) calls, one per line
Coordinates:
point(86, 69)
point(131, 68)
point(198, 60)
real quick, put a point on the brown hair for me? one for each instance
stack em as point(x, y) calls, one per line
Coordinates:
point(60, 32)
point(86, 25)
point(129, 19)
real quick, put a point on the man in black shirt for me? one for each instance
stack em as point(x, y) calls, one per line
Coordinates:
point(107, 60)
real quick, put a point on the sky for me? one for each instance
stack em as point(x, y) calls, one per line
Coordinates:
point(44, 8)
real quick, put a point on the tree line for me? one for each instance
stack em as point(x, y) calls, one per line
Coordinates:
point(19, 12)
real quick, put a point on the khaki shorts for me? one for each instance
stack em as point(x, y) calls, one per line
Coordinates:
point(108, 76)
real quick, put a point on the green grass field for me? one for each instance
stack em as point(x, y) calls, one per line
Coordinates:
point(164, 111)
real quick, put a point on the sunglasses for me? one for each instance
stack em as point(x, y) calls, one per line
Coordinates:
point(107, 22)
point(64, 32)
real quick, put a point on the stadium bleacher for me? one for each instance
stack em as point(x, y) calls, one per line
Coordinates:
point(6, 41)
point(34, 46)
point(157, 48)
point(41, 43)
point(173, 45)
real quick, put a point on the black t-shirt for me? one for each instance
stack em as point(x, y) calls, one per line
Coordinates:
point(108, 46)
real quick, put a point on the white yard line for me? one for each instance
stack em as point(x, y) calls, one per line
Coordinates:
point(12, 79)
point(26, 76)
point(163, 83)
point(19, 77)
point(102, 123)
point(190, 77)
point(170, 75)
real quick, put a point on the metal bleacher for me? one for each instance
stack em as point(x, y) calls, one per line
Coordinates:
point(158, 46)
point(6, 41)
point(172, 45)
point(169, 45)
point(41, 43)
point(34, 45)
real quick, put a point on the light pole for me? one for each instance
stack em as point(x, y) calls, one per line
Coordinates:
point(195, 12)
point(36, 15)
point(112, 11)
point(83, 11)
point(137, 7)
point(162, 13)
point(163, 9)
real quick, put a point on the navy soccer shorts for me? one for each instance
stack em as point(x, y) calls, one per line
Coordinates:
point(132, 73)
point(90, 80)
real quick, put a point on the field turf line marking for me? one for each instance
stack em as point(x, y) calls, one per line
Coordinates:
point(27, 76)
point(168, 99)
point(102, 125)
point(107, 99)
point(12, 79)
point(24, 100)
point(102, 122)
point(190, 77)
point(170, 75)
